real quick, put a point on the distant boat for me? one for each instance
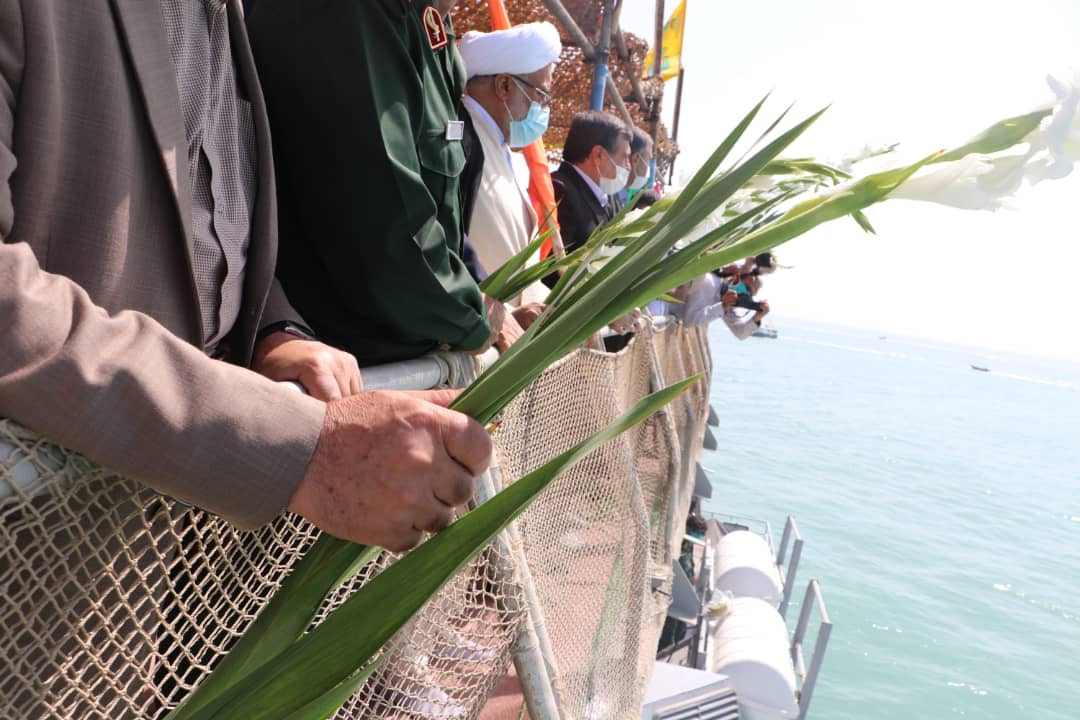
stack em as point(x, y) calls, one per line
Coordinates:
point(980, 368)
point(765, 331)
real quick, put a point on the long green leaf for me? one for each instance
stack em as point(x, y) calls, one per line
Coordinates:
point(854, 197)
point(700, 179)
point(329, 702)
point(496, 283)
point(576, 316)
point(349, 637)
point(669, 266)
point(284, 619)
point(863, 222)
point(716, 159)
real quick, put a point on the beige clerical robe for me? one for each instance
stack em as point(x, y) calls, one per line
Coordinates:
point(503, 220)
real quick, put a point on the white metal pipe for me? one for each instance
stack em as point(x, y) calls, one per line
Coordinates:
point(527, 650)
point(536, 612)
point(422, 373)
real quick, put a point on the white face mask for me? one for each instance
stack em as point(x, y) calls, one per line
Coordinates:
point(640, 178)
point(617, 183)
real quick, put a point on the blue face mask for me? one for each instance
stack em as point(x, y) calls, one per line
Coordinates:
point(531, 127)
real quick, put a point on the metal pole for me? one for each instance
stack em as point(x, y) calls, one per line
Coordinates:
point(620, 55)
point(809, 680)
point(616, 17)
point(532, 654)
point(789, 577)
point(658, 45)
point(568, 23)
point(658, 52)
point(675, 123)
point(532, 674)
point(600, 57)
point(617, 101)
point(678, 105)
point(635, 81)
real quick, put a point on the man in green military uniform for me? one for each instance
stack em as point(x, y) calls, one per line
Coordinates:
point(363, 97)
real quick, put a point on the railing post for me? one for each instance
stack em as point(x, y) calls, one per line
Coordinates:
point(821, 643)
point(791, 530)
point(533, 657)
point(789, 578)
point(600, 58)
point(800, 629)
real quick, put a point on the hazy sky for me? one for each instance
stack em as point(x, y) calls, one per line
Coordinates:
point(927, 75)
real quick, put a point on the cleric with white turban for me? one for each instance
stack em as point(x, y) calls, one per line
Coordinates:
point(507, 103)
point(521, 50)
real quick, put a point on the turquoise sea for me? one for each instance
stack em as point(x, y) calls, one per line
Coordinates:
point(940, 508)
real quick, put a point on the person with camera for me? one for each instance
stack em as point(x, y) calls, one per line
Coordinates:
point(711, 297)
point(762, 264)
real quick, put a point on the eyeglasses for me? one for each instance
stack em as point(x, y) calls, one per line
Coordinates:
point(545, 96)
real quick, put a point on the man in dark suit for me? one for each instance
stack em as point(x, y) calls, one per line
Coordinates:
point(596, 165)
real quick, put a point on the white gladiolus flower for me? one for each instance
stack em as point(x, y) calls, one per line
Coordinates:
point(847, 164)
point(987, 182)
point(959, 184)
point(1057, 141)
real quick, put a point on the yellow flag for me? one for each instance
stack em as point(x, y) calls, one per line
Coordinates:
point(671, 60)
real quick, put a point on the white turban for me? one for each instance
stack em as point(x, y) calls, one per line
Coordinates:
point(521, 50)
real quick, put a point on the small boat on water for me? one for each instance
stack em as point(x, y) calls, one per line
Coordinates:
point(980, 368)
point(765, 331)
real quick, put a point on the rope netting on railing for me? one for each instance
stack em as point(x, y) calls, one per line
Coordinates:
point(115, 601)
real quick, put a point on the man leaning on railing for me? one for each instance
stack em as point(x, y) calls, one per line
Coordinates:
point(136, 282)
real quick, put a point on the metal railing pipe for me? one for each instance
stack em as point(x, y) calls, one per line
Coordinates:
point(821, 643)
point(566, 20)
point(617, 101)
point(600, 57)
point(532, 653)
point(422, 373)
point(789, 577)
point(635, 81)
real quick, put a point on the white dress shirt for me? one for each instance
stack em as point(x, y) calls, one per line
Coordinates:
point(704, 304)
point(601, 196)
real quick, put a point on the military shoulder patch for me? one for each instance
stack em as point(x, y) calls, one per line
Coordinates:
point(433, 26)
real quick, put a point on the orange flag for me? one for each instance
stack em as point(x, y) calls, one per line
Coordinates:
point(541, 191)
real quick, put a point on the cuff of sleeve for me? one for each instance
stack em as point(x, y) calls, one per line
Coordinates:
point(285, 458)
point(477, 337)
point(272, 442)
point(278, 308)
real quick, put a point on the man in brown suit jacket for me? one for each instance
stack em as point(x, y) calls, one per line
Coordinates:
point(104, 339)
point(103, 344)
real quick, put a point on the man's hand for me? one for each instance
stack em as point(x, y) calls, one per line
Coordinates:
point(325, 372)
point(526, 315)
point(762, 312)
point(631, 322)
point(504, 328)
point(680, 293)
point(390, 466)
point(729, 299)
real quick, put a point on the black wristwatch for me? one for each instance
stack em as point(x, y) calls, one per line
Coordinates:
point(286, 326)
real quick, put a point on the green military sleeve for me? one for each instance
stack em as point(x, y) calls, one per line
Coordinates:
point(367, 179)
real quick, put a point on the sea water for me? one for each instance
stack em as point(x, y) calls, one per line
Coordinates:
point(940, 506)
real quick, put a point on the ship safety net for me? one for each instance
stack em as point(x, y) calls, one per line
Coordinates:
point(116, 601)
